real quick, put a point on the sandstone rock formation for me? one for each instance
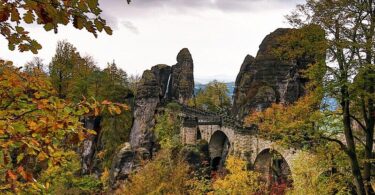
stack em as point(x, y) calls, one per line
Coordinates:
point(267, 79)
point(123, 164)
point(150, 93)
point(89, 145)
point(182, 80)
point(158, 86)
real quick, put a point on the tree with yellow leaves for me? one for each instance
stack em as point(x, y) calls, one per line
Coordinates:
point(239, 180)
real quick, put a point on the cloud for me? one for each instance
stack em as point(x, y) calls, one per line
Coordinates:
point(130, 26)
point(222, 5)
point(111, 20)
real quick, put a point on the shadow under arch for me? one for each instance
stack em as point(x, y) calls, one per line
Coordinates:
point(199, 134)
point(274, 169)
point(219, 146)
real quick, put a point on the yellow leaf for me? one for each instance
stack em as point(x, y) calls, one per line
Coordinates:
point(20, 157)
point(81, 136)
point(50, 149)
point(42, 156)
point(33, 125)
point(97, 111)
point(91, 131)
point(117, 110)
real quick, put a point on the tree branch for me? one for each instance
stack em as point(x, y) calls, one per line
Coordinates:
point(342, 145)
point(359, 140)
point(359, 122)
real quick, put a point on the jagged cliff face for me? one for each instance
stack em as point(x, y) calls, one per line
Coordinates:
point(150, 93)
point(160, 84)
point(266, 79)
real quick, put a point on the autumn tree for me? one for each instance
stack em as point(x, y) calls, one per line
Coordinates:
point(165, 174)
point(35, 63)
point(115, 83)
point(318, 172)
point(111, 83)
point(38, 131)
point(167, 128)
point(63, 66)
point(214, 97)
point(350, 33)
point(239, 180)
point(15, 15)
point(134, 82)
point(348, 77)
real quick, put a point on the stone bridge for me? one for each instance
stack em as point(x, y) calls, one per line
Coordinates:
point(226, 135)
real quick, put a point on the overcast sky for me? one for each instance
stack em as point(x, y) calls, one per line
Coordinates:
point(218, 33)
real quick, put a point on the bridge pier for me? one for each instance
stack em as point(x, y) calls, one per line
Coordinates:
point(189, 131)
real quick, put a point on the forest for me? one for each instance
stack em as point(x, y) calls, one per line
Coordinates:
point(70, 125)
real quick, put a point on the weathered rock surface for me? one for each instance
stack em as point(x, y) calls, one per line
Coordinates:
point(149, 96)
point(122, 165)
point(125, 162)
point(182, 80)
point(266, 79)
point(160, 84)
point(88, 149)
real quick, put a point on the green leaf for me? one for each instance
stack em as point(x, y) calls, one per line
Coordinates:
point(28, 17)
point(99, 25)
point(93, 4)
point(11, 46)
point(20, 157)
point(19, 29)
point(82, 6)
point(19, 127)
point(78, 22)
point(108, 30)
point(48, 26)
point(15, 15)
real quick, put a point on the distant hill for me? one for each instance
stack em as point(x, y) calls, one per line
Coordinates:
point(200, 86)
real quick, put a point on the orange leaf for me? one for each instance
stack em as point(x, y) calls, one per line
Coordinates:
point(22, 172)
point(12, 175)
point(106, 102)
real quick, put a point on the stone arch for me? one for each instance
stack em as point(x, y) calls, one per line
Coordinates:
point(219, 147)
point(199, 134)
point(274, 169)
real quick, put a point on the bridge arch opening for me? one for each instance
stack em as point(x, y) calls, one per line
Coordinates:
point(218, 148)
point(274, 170)
point(199, 134)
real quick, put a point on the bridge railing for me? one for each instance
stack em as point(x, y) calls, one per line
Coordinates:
point(204, 117)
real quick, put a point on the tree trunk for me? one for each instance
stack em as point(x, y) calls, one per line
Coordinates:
point(368, 156)
point(351, 151)
point(368, 111)
point(369, 116)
